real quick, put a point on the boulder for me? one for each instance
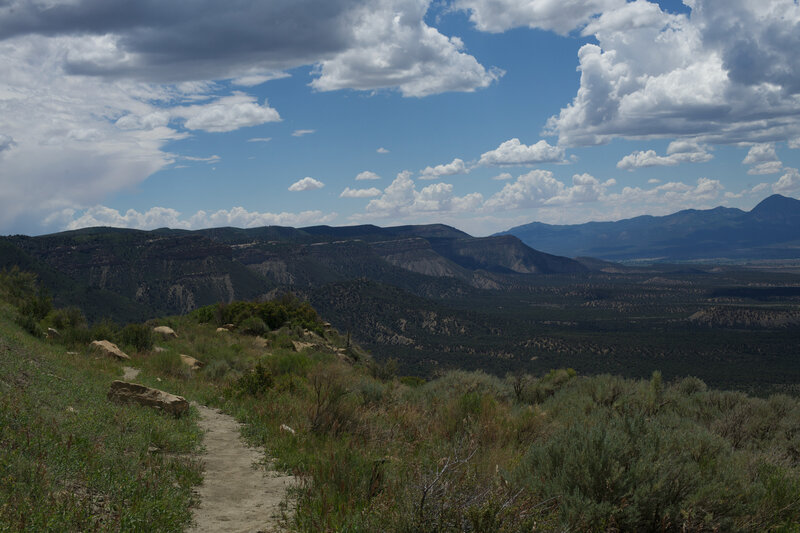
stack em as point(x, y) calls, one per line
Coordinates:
point(126, 392)
point(300, 346)
point(166, 332)
point(52, 333)
point(159, 349)
point(191, 362)
point(222, 330)
point(110, 349)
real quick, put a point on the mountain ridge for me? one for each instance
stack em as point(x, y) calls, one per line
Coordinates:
point(771, 230)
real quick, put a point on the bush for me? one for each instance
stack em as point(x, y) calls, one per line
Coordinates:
point(140, 336)
point(106, 329)
point(256, 382)
point(254, 326)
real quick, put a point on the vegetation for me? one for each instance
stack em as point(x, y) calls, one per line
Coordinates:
point(69, 459)
point(374, 451)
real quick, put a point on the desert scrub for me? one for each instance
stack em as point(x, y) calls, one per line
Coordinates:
point(72, 461)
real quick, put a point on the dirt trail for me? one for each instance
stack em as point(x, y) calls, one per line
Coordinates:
point(235, 496)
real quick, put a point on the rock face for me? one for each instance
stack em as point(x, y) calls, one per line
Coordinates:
point(110, 349)
point(191, 362)
point(166, 331)
point(125, 392)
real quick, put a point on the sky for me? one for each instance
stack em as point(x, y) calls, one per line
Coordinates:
point(481, 114)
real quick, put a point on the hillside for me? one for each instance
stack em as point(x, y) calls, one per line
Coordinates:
point(371, 450)
point(771, 230)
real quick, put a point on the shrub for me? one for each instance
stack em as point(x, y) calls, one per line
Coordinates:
point(106, 329)
point(254, 326)
point(256, 382)
point(140, 336)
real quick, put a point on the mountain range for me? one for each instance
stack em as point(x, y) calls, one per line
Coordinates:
point(771, 230)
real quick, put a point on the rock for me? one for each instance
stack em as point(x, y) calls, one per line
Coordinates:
point(126, 392)
point(222, 330)
point(159, 349)
point(230, 327)
point(191, 362)
point(287, 429)
point(52, 333)
point(166, 331)
point(300, 346)
point(110, 349)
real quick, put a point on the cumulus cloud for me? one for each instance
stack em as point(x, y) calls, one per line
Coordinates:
point(540, 188)
point(158, 217)
point(789, 183)
point(503, 176)
point(561, 17)
point(401, 198)
point(794, 143)
point(367, 175)
point(763, 158)
point(457, 166)
point(513, 152)
point(382, 150)
point(355, 44)
point(228, 113)
point(306, 184)
point(677, 152)
point(392, 46)
point(300, 133)
point(360, 193)
point(727, 73)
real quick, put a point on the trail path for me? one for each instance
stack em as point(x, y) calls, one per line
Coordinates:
point(235, 496)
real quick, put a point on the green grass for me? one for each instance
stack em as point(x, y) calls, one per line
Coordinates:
point(72, 461)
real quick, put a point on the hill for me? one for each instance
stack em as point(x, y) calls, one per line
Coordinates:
point(371, 450)
point(771, 230)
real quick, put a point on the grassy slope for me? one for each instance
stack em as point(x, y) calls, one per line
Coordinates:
point(465, 452)
point(72, 461)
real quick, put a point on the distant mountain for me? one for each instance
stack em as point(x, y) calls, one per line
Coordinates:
point(133, 273)
point(771, 230)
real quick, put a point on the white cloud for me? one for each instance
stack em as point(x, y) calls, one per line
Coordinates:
point(726, 74)
point(306, 184)
point(300, 133)
point(382, 150)
point(367, 175)
point(392, 46)
point(513, 152)
point(763, 159)
point(209, 160)
point(770, 167)
point(653, 181)
point(401, 198)
point(457, 166)
point(259, 140)
point(503, 176)
point(228, 113)
point(360, 193)
point(539, 188)
point(677, 152)
point(561, 17)
point(760, 153)
point(789, 183)
point(158, 217)
point(794, 143)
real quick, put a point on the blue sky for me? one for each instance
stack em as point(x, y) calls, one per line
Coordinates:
point(483, 114)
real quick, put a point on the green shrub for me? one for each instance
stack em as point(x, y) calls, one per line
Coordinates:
point(140, 336)
point(256, 382)
point(106, 329)
point(254, 326)
point(29, 324)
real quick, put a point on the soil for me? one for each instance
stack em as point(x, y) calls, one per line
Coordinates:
point(238, 493)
